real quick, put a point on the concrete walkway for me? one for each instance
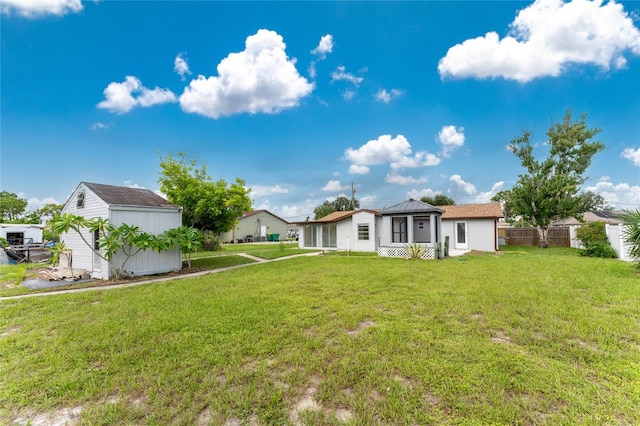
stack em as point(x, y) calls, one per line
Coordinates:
point(158, 280)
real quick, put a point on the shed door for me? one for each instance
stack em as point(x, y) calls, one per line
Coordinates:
point(461, 236)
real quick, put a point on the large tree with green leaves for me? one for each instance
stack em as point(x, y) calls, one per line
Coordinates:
point(551, 187)
point(12, 207)
point(438, 200)
point(340, 204)
point(207, 205)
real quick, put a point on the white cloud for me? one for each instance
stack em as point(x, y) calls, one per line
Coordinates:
point(368, 201)
point(358, 169)
point(180, 66)
point(261, 78)
point(37, 8)
point(485, 197)
point(34, 204)
point(395, 151)
point(621, 195)
point(349, 94)
point(130, 184)
point(98, 126)
point(417, 194)
point(632, 155)
point(333, 186)
point(404, 180)
point(325, 46)
point(545, 38)
point(119, 97)
point(340, 74)
point(451, 138)
point(383, 96)
point(458, 184)
point(263, 190)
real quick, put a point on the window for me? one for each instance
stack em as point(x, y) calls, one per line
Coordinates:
point(80, 200)
point(399, 230)
point(363, 231)
point(96, 239)
point(420, 225)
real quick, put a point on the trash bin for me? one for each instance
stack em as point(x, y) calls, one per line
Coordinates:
point(276, 237)
point(269, 237)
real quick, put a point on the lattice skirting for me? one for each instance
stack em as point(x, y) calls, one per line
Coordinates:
point(430, 252)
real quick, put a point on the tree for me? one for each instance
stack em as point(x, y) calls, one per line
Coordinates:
point(631, 234)
point(207, 205)
point(11, 207)
point(340, 204)
point(550, 188)
point(438, 200)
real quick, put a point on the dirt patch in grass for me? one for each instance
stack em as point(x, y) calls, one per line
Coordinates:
point(361, 327)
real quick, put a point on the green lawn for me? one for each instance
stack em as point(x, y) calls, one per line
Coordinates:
point(525, 337)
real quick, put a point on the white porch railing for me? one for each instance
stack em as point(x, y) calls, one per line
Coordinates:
point(401, 251)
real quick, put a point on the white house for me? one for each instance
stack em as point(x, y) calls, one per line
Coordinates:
point(344, 230)
point(472, 226)
point(389, 231)
point(21, 233)
point(257, 225)
point(121, 205)
point(614, 228)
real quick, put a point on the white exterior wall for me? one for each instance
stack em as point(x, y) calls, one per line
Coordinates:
point(363, 218)
point(152, 221)
point(615, 233)
point(344, 236)
point(33, 232)
point(81, 255)
point(482, 234)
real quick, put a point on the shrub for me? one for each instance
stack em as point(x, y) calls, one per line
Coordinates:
point(415, 250)
point(631, 235)
point(595, 241)
point(211, 242)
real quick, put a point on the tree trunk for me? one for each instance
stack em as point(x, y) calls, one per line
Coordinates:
point(542, 237)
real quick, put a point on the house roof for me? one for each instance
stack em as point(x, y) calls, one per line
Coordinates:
point(255, 212)
point(338, 216)
point(473, 211)
point(124, 196)
point(612, 218)
point(411, 206)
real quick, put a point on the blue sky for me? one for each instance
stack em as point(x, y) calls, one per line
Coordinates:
point(302, 99)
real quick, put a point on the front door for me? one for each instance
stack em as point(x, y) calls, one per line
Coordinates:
point(461, 236)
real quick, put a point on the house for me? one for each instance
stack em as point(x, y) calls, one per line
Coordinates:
point(21, 233)
point(121, 205)
point(411, 222)
point(390, 230)
point(257, 225)
point(472, 226)
point(614, 228)
point(342, 230)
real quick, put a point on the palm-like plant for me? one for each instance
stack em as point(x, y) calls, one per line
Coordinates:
point(631, 234)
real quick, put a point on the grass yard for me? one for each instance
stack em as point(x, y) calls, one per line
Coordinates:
point(525, 337)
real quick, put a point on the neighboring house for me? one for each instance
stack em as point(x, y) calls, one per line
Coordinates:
point(257, 225)
point(472, 226)
point(389, 231)
point(133, 206)
point(614, 227)
point(21, 233)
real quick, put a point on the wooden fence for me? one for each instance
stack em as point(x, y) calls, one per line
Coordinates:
point(556, 236)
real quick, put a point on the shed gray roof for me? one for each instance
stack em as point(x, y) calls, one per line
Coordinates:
point(411, 206)
point(124, 196)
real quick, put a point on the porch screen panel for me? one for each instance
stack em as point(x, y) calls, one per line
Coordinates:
point(399, 230)
point(309, 236)
point(329, 236)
